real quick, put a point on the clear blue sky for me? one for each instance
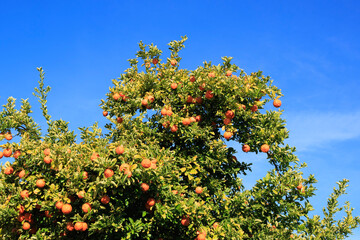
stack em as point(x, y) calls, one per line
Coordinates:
point(311, 49)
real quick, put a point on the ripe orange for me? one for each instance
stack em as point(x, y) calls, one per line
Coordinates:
point(59, 205)
point(198, 190)
point(47, 151)
point(119, 119)
point(254, 108)
point(7, 152)
point(116, 96)
point(189, 99)
point(47, 159)
point(246, 148)
point(105, 199)
point(174, 128)
point(229, 114)
point(198, 118)
point(228, 73)
point(81, 194)
point(209, 94)
point(24, 194)
point(94, 156)
point(1, 154)
point(85, 175)
point(21, 209)
point(144, 187)
point(227, 121)
point(202, 86)
point(155, 61)
point(9, 170)
point(66, 208)
point(192, 119)
point(128, 173)
point(124, 166)
point(119, 150)
point(86, 207)
point(84, 226)
point(16, 154)
point(105, 113)
point(26, 226)
point(201, 236)
point(173, 62)
point(192, 79)
point(146, 163)
point(186, 121)
point(70, 226)
point(150, 202)
point(185, 221)
point(174, 86)
point(78, 226)
point(40, 183)
point(300, 186)
point(68, 150)
point(211, 74)
point(108, 173)
point(144, 102)
point(164, 112)
point(22, 173)
point(228, 135)
point(8, 136)
point(277, 103)
point(265, 148)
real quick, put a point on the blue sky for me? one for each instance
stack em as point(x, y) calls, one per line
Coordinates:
point(311, 49)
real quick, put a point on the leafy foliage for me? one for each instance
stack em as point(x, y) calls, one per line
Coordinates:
point(163, 170)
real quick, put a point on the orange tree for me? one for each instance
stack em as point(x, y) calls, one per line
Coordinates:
point(162, 170)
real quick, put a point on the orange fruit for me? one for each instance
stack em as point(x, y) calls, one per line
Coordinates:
point(24, 194)
point(228, 135)
point(229, 114)
point(169, 112)
point(147, 65)
point(192, 79)
point(47, 214)
point(202, 86)
point(198, 190)
point(173, 62)
point(7, 152)
point(201, 236)
point(246, 148)
point(85, 175)
point(265, 148)
point(94, 156)
point(105, 113)
point(192, 119)
point(174, 128)
point(22, 173)
point(21, 209)
point(164, 112)
point(84, 226)
point(242, 106)
point(228, 73)
point(155, 61)
point(119, 150)
point(47, 152)
point(81, 194)
point(300, 186)
point(150, 202)
point(108, 173)
point(174, 86)
point(9, 170)
point(40, 183)
point(128, 173)
point(16, 154)
point(144, 187)
point(199, 100)
point(116, 96)
point(66, 208)
point(8, 136)
point(26, 226)
point(227, 121)
point(70, 226)
point(277, 103)
point(254, 108)
point(175, 191)
point(78, 226)
point(151, 98)
point(209, 94)
point(47, 159)
point(198, 118)
point(59, 205)
point(186, 121)
point(185, 221)
point(86, 207)
point(144, 102)
point(211, 75)
point(189, 99)
point(146, 163)
point(105, 199)
point(1, 154)
point(119, 119)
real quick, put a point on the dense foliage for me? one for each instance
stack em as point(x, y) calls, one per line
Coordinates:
point(162, 170)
